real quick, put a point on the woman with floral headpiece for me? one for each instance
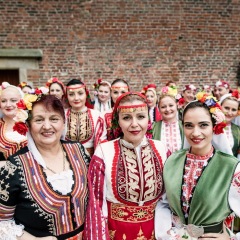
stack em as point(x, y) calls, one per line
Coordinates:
point(43, 185)
point(57, 88)
point(202, 183)
point(188, 95)
point(151, 95)
point(26, 87)
point(84, 124)
point(221, 88)
point(10, 140)
point(169, 129)
point(102, 100)
point(230, 105)
point(125, 176)
point(118, 87)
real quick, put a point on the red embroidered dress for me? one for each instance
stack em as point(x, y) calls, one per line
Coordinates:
point(125, 184)
point(10, 142)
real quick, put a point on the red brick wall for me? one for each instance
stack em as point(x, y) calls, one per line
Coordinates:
point(143, 41)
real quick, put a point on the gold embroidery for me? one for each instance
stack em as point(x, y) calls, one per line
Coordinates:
point(135, 214)
point(79, 126)
point(9, 170)
point(140, 214)
point(112, 234)
point(140, 235)
point(139, 181)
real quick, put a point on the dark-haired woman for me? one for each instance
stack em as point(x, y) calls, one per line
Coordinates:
point(84, 125)
point(118, 87)
point(202, 183)
point(125, 176)
point(44, 185)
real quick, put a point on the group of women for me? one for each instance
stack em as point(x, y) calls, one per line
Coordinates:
point(95, 172)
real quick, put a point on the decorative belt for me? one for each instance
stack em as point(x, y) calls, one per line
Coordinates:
point(71, 234)
point(125, 213)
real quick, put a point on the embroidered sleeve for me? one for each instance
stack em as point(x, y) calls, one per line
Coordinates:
point(95, 223)
point(8, 201)
point(100, 132)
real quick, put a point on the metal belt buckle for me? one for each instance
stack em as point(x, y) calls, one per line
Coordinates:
point(195, 231)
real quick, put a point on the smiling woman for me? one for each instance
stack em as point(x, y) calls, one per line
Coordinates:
point(125, 176)
point(10, 141)
point(44, 185)
point(205, 188)
point(84, 125)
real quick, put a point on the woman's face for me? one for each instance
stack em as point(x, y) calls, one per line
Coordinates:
point(56, 90)
point(198, 130)
point(103, 93)
point(118, 89)
point(46, 126)
point(230, 109)
point(26, 89)
point(168, 109)
point(133, 124)
point(220, 91)
point(77, 97)
point(9, 98)
point(188, 95)
point(151, 99)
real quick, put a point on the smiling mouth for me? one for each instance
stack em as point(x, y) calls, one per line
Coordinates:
point(196, 141)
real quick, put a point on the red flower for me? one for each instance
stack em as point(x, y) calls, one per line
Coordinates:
point(38, 91)
point(99, 80)
point(181, 101)
point(218, 128)
point(21, 104)
point(21, 128)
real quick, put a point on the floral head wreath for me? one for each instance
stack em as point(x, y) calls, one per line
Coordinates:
point(170, 90)
point(222, 83)
point(180, 99)
point(207, 87)
point(235, 94)
point(116, 130)
point(97, 84)
point(215, 109)
point(23, 108)
point(151, 86)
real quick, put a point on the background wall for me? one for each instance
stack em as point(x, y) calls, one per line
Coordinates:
point(143, 41)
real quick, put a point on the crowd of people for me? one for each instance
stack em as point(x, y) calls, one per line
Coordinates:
point(115, 164)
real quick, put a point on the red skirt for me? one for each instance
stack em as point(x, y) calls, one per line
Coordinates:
point(131, 222)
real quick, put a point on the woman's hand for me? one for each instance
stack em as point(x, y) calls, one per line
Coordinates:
point(219, 236)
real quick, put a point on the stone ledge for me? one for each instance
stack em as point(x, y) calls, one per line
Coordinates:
point(21, 53)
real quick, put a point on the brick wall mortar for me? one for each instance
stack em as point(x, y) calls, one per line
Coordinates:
point(143, 41)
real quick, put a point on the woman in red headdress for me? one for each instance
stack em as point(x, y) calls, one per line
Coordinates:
point(125, 176)
point(84, 124)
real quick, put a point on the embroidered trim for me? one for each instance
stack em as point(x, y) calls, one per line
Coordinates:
point(132, 108)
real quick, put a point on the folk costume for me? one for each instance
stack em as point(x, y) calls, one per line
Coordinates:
point(154, 114)
point(126, 185)
point(10, 142)
point(170, 133)
point(45, 205)
point(233, 134)
point(197, 209)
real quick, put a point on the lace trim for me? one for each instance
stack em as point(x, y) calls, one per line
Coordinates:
point(9, 230)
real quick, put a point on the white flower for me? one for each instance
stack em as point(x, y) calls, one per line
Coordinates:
point(21, 116)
